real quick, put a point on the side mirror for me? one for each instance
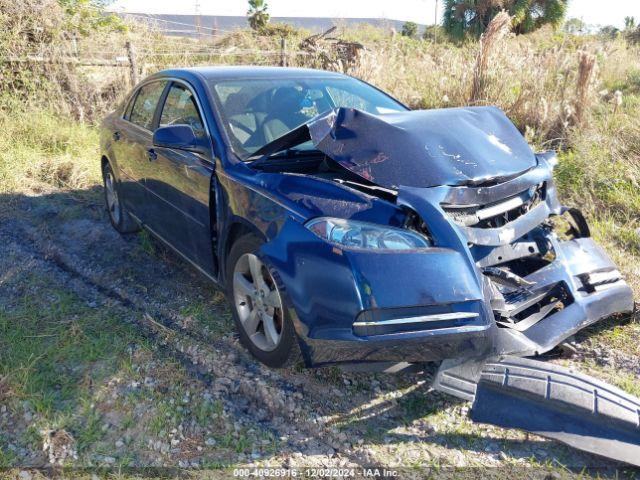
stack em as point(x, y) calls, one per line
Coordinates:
point(180, 137)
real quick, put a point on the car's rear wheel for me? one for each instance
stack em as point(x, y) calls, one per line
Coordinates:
point(118, 215)
point(263, 323)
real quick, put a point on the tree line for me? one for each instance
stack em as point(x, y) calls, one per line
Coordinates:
point(469, 19)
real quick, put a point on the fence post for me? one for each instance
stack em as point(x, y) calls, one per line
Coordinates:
point(133, 66)
point(283, 52)
point(74, 44)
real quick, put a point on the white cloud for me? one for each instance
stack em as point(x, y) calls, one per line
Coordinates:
point(612, 13)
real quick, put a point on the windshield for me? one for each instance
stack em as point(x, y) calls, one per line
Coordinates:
point(257, 111)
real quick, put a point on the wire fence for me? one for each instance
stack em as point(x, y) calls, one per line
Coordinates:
point(161, 51)
point(194, 28)
point(128, 55)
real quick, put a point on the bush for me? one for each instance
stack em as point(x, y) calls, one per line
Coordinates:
point(410, 29)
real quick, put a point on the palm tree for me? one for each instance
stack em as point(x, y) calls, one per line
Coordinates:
point(471, 17)
point(258, 16)
point(629, 23)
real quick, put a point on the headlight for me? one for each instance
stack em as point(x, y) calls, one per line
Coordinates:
point(363, 235)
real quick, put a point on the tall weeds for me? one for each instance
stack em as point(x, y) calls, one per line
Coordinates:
point(497, 29)
point(586, 68)
point(544, 82)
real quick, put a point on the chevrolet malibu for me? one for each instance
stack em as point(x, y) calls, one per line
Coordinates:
point(345, 228)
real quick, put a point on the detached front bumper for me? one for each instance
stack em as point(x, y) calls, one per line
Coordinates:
point(577, 261)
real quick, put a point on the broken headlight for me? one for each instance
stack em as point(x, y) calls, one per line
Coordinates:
point(363, 235)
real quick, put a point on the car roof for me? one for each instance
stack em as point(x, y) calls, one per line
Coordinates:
point(241, 72)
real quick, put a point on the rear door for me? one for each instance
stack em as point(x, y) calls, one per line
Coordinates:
point(134, 140)
point(179, 182)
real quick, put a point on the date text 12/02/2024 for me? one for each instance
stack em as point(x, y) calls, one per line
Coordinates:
point(315, 472)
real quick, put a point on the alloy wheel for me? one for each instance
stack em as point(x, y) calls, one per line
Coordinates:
point(257, 302)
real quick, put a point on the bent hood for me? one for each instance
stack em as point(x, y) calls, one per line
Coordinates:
point(421, 148)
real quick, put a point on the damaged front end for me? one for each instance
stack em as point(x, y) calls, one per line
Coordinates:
point(511, 273)
point(541, 285)
point(466, 179)
point(544, 279)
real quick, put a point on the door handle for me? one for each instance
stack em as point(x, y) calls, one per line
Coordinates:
point(152, 155)
point(116, 136)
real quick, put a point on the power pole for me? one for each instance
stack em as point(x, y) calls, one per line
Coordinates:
point(198, 19)
point(214, 30)
point(435, 24)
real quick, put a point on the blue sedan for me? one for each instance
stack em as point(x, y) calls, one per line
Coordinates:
point(344, 227)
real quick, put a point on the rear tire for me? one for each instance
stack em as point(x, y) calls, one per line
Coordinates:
point(257, 306)
point(118, 215)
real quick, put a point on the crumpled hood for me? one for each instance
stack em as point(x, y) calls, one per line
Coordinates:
point(420, 148)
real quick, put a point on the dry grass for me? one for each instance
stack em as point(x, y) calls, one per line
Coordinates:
point(40, 149)
point(499, 27)
point(578, 94)
point(586, 69)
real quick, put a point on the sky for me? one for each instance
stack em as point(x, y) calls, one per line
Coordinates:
point(611, 12)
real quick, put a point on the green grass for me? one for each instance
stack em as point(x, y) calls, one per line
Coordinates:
point(600, 173)
point(204, 410)
point(238, 442)
point(90, 432)
point(628, 383)
point(208, 313)
point(55, 354)
point(50, 350)
point(7, 458)
point(65, 360)
point(40, 146)
point(146, 243)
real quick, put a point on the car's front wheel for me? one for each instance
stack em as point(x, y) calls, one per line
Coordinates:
point(118, 215)
point(263, 323)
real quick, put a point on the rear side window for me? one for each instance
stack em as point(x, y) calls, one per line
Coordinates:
point(145, 104)
point(180, 108)
point(127, 112)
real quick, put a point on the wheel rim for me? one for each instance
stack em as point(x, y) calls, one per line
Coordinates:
point(257, 302)
point(113, 204)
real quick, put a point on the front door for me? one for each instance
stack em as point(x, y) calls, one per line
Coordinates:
point(179, 183)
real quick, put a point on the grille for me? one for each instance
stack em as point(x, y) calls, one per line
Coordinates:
point(496, 214)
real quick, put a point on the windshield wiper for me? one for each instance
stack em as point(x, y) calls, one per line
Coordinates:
point(287, 154)
point(286, 142)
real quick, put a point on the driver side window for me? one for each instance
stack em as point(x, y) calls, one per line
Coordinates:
point(180, 108)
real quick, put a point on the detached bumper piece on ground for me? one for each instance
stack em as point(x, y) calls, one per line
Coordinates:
point(549, 401)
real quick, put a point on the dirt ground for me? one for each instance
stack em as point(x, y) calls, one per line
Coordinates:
point(117, 354)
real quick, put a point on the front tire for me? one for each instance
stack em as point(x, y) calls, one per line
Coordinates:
point(118, 215)
point(263, 323)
